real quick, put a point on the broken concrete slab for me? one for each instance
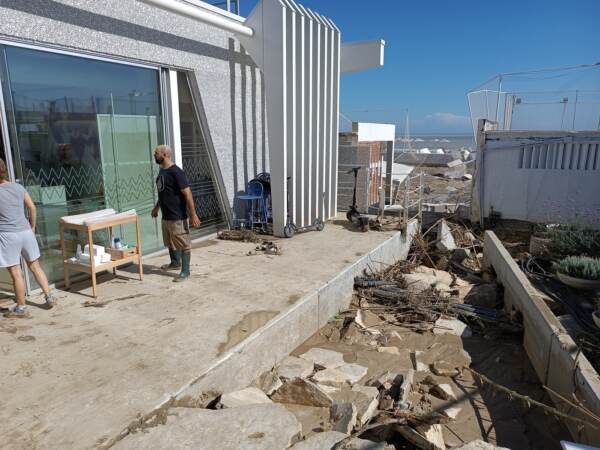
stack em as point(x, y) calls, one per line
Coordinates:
point(434, 435)
point(321, 357)
point(390, 350)
point(480, 445)
point(423, 277)
point(452, 326)
point(451, 412)
point(443, 391)
point(386, 380)
point(408, 379)
point(293, 367)
point(418, 365)
point(348, 374)
point(326, 441)
point(312, 418)
point(344, 416)
point(268, 382)
point(244, 397)
point(444, 369)
point(257, 427)
point(429, 442)
point(302, 392)
point(445, 240)
point(366, 402)
point(367, 319)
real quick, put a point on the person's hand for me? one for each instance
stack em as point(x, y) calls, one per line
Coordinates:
point(154, 212)
point(195, 221)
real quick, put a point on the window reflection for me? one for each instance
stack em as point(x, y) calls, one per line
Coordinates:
point(83, 135)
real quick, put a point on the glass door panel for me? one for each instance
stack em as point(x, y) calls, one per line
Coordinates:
point(82, 133)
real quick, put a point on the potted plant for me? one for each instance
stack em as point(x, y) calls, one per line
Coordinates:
point(579, 272)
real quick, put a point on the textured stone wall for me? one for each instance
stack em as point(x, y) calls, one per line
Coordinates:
point(227, 81)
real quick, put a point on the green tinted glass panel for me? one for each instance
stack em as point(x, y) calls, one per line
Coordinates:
point(82, 133)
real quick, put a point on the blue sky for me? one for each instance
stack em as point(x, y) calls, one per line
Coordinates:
point(437, 50)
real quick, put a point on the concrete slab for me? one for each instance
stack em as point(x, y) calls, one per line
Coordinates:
point(81, 375)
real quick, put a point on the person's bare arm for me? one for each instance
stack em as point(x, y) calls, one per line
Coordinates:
point(189, 201)
point(32, 211)
point(155, 210)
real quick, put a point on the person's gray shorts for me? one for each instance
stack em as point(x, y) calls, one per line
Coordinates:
point(15, 244)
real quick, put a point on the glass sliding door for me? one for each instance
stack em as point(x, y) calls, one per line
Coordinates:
point(197, 163)
point(82, 132)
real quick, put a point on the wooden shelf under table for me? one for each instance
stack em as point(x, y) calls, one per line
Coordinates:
point(92, 268)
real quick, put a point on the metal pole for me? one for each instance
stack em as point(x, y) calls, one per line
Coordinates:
point(422, 187)
point(575, 108)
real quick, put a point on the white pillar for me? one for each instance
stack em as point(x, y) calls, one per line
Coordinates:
point(175, 121)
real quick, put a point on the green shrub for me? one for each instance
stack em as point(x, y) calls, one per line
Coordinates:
point(573, 240)
point(579, 267)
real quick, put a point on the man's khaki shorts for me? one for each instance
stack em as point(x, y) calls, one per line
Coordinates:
point(176, 234)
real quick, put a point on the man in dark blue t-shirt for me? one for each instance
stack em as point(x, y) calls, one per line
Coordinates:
point(175, 201)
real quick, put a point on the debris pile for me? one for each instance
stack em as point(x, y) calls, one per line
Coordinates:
point(263, 246)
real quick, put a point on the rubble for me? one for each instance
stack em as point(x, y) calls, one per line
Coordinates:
point(327, 441)
point(445, 240)
point(443, 391)
point(452, 326)
point(268, 382)
point(341, 376)
point(364, 398)
point(431, 439)
point(390, 350)
point(302, 392)
point(244, 397)
point(417, 364)
point(326, 359)
point(344, 415)
point(266, 426)
point(293, 367)
point(480, 445)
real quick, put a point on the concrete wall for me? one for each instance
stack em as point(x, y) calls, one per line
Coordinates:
point(228, 83)
point(551, 350)
point(540, 177)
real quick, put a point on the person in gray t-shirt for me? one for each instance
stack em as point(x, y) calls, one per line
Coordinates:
point(17, 239)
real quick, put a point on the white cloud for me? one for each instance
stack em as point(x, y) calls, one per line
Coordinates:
point(446, 118)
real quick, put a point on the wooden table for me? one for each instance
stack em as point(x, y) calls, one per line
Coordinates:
point(92, 268)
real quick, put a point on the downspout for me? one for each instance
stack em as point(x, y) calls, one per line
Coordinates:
point(196, 12)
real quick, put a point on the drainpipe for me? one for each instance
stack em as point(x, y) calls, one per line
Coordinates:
point(196, 12)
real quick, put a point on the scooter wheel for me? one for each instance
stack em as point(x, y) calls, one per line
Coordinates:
point(289, 231)
point(364, 227)
point(318, 225)
point(349, 216)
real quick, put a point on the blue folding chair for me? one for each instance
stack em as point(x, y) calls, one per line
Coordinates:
point(256, 206)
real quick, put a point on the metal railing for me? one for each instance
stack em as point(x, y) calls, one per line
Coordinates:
point(403, 196)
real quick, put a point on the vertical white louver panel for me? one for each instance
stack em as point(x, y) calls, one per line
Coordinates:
point(300, 60)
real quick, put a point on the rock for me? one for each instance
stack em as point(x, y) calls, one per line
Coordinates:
point(268, 382)
point(320, 441)
point(293, 367)
point(408, 378)
point(445, 240)
point(451, 412)
point(325, 441)
point(467, 177)
point(311, 418)
point(460, 254)
point(418, 365)
point(367, 412)
point(485, 295)
point(328, 389)
point(434, 435)
point(470, 236)
point(244, 397)
point(302, 392)
point(390, 350)
point(260, 427)
point(444, 369)
point(396, 385)
point(452, 326)
point(367, 319)
point(480, 445)
point(386, 402)
point(343, 375)
point(343, 416)
point(327, 359)
point(430, 441)
point(422, 278)
point(365, 403)
point(443, 391)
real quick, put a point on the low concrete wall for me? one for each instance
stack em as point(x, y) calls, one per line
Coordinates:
point(268, 345)
point(553, 353)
